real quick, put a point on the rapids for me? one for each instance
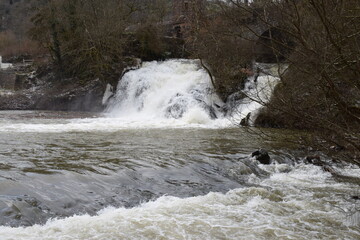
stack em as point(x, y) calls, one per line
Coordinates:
point(282, 207)
point(165, 162)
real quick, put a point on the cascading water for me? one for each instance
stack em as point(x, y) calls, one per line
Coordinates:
point(175, 89)
point(169, 94)
point(181, 89)
point(244, 106)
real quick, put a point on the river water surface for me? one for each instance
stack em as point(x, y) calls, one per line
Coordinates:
point(165, 162)
point(60, 181)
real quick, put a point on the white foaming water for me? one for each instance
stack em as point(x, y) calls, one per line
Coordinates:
point(305, 203)
point(174, 89)
point(192, 119)
point(169, 94)
point(257, 95)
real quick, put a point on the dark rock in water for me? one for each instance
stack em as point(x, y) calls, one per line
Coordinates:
point(245, 121)
point(180, 103)
point(262, 156)
point(212, 113)
point(217, 106)
point(355, 197)
point(175, 111)
point(177, 106)
point(315, 160)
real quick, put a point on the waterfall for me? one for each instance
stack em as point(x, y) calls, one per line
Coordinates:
point(182, 90)
point(173, 89)
point(244, 106)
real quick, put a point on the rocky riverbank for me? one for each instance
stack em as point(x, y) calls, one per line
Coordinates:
point(29, 88)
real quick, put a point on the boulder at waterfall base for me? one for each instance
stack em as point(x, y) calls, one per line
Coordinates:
point(262, 156)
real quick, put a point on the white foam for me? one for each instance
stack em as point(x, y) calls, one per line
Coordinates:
point(197, 115)
point(161, 90)
point(192, 119)
point(170, 94)
point(305, 203)
point(257, 94)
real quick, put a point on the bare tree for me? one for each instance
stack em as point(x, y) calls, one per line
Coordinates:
point(319, 40)
point(88, 38)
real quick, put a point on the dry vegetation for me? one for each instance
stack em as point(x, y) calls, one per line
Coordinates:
point(11, 46)
point(320, 40)
point(321, 90)
point(89, 39)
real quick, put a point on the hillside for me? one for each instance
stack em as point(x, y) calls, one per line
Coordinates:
point(16, 14)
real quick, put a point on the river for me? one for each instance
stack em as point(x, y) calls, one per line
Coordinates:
point(84, 176)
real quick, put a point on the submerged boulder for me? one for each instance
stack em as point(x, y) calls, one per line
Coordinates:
point(262, 156)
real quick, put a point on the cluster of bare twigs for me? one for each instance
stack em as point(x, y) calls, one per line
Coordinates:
point(319, 40)
point(90, 38)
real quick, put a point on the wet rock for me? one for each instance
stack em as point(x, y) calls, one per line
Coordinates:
point(66, 97)
point(43, 89)
point(176, 111)
point(180, 103)
point(315, 160)
point(337, 148)
point(71, 96)
point(130, 64)
point(20, 81)
point(262, 156)
point(18, 101)
point(245, 122)
point(355, 197)
point(243, 170)
point(212, 112)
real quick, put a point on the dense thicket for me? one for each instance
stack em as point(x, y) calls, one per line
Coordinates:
point(319, 40)
point(90, 38)
point(321, 89)
point(217, 41)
